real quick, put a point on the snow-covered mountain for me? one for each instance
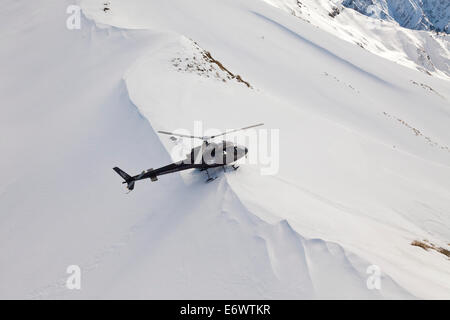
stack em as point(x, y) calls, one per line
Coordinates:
point(363, 177)
point(422, 50)
point(413, 14)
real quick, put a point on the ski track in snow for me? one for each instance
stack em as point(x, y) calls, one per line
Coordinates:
point(324, 51)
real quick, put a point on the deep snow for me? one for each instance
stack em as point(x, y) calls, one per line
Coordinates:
point(355, 185)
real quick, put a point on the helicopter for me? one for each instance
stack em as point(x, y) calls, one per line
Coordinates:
point(204, 157)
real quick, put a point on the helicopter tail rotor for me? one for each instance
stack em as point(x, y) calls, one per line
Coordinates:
point(128, 179)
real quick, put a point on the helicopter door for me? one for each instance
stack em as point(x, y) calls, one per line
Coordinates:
point(229, 154)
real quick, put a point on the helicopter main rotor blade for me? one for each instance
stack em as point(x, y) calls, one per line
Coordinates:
point(234, 130)
point(181, 135)
point(205, 138)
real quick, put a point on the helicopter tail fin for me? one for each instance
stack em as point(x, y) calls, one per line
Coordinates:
point(128, 179)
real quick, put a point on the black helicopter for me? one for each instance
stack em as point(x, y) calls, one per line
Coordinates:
point(207, 156)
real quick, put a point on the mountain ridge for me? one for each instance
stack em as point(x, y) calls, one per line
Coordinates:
point(431, 15)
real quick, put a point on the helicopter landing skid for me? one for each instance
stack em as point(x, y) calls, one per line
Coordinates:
point(209, 177)
point(232, 166)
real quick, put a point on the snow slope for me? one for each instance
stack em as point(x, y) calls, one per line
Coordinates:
point(355, 184)
point(426, 51)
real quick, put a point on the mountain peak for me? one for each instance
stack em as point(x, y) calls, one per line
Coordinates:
point(412, 14)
